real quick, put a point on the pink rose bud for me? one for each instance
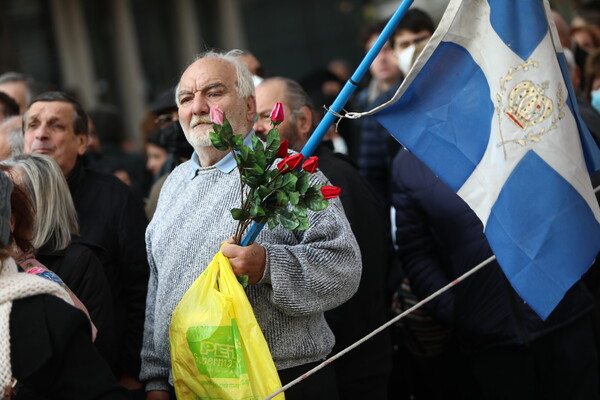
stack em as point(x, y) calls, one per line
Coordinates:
point(330, 192)
point(291, 162)
point(310, 165)
point(283, 149)
point(216, 115)
point(277, 114)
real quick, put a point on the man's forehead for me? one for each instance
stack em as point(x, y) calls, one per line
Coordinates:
point(50, 109)
point(269, 93)
point(207, 71)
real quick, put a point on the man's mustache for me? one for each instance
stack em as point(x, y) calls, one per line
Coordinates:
point(199, 119)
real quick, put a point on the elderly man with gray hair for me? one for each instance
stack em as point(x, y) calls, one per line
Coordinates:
point(293, 276)
point(11, 137)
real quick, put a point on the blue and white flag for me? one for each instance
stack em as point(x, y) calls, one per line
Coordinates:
point(488, 109)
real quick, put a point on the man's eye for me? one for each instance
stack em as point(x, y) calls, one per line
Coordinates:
point(184, 100)
point(213, 94)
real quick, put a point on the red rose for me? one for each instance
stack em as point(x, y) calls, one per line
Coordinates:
point(330, 192)
point(277, 114)
point(290, 162)
point(310, 165)
point(283, 149)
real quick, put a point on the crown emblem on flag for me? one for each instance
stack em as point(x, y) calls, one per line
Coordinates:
point(527, 105)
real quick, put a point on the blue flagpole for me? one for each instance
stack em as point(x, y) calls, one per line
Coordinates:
point(342, 99)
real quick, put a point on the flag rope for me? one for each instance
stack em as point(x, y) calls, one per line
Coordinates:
point(382, 327)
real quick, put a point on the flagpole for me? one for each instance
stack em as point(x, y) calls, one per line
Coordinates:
point(341, 100)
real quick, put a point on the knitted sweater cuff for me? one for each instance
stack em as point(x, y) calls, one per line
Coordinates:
point(266, 278)
point(157, 384)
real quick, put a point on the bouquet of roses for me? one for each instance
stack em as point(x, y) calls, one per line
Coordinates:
point(274, 196)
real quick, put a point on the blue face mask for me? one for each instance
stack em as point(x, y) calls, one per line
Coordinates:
point(596, 99)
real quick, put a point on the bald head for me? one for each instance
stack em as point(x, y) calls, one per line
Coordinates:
point(298, 124)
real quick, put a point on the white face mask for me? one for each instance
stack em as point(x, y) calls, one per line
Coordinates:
point(596, 99)
point(257, 80)
point(405, 58)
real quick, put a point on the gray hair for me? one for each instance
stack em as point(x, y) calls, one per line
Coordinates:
point(15, 135)
point(243, 83)
point(12, 76)
point(55, 215)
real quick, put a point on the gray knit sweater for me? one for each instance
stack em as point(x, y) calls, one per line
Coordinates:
point(306, 272)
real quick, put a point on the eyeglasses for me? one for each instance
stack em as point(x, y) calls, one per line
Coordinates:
point(401, 45)
point(164, 120)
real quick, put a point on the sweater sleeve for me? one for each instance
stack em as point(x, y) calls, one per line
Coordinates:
point(319, 272)
point(154, 371)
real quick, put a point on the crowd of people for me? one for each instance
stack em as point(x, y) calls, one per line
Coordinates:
point(116, 238)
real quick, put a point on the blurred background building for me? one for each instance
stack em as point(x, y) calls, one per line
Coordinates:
point(127, 52)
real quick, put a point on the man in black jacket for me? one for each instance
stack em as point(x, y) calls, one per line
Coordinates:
point(363, 373)
point(110, 216)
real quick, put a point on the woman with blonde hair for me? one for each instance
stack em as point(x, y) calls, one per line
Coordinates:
point(57, 246)
point(45, 345)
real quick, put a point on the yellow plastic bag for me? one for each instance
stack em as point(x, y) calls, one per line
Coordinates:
point(217, 348)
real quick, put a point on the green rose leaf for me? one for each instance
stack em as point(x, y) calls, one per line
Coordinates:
point(288, 221)
point(263, 191)
point(257, 145)
point(256, 211)
point(302, 221)
point(218, 142)
point(303, 183)
point(316, 204)
point(282, 198)
point(238, 141)
point(238, 214)
point(294, 198)
point(273, 222)
point(288, 183)
point(244, 152)
point(227, 130)
point(273, 140)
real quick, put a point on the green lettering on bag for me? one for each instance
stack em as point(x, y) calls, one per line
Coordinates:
point(217, 350)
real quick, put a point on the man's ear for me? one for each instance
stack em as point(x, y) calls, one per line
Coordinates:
point(82, 143)
point(304, 118)
point(251, 109)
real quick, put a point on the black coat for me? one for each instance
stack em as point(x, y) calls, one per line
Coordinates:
point(366, 310)
point(52, 355)
point(439, 239)
point(82, 272)
point(112, 217)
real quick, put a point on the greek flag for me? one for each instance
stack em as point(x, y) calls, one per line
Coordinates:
point(489, 107)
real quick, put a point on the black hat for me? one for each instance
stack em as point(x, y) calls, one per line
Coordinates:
point(165, 102)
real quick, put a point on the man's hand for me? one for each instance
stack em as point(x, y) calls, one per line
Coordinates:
point(129, 382)
point(248, 260)
point(157, 395)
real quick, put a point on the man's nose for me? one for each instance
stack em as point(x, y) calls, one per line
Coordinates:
point(200, 106)
point(260, 126)
point(41, 132)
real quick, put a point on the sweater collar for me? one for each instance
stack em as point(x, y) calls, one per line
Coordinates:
point(225, 165)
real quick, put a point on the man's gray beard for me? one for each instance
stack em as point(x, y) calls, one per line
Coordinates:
point(198, 141)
